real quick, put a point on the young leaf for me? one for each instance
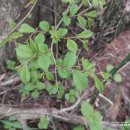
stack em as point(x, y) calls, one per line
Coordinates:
point(25, 28)
point(66, 20)
point(63, 73)
point(12, 23)
point(25, 74)
point(35, 94)
point(74, 9)
point(117, 78)
point(40, 38)
point(69, 60)
point(62, 32)
point(95, 122)
point(49, 76)
point(44, 25)
point(71, 45)
point(15, 35)
point(92, 14)
point(79, 127)
point(87, 110)
point(44, 122)
point(24, 51)
point(80, 80)
point(44, 62)
point(99, 85)
point(82, 21)
point(85, 34)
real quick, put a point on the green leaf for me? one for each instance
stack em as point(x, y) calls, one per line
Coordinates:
point(25, 74)
point(109, 67)
point(54, 36)
point(69, 60)
point(92, 14)
point(95, 122)
point(85, 2)
point(24, 51)
point(66, 20)
point(44, 122)
point(49, 76)
point(25, 28)
point(12, 23)
point(29, 87)
point(99, 85)
point(71, 45)
point(87, 65)
point(33, 45)
point(40, 86)
point(80, 80)
point(44, 62)
point(62, 32)
point(117, 78)
point(15, 35)
point(44, 25)
point(82, 21)
point(35, 94)
point(40, 38)
point(87, 110)
point(74, 9)
point(79, 127)
point(63, 73)
point(85, 34)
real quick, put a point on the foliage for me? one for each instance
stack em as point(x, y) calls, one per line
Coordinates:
point(42, 69)
point(43, 123)
point(11, 123)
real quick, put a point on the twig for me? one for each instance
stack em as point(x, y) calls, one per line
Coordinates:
point(8, 82)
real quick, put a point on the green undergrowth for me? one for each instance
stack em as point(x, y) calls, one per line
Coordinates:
point(43, 68)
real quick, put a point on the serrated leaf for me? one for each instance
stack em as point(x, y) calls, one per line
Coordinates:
point(85, 34)
point(74, 9)
point(24, 51)
point(12, 23)
point(92, 14)
point(25, 74)
point(33, 45)
point(95, 123)
point(99, 85)
point(63, 73)
point(87, 110)
point(15, 35)
point(44, 62)
point(35, 94)
point(71, 45)
point(44, 25)
point(69, 60)
point(62, 32)
point(80, 80)
point(66, 20)
point(49, 76)
point(25, 28)
point(87, 65)
point(109, 67)
point(40, 38)
point(44, 122)
point(40, 86)
point(117, 78)
point(82, 21)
